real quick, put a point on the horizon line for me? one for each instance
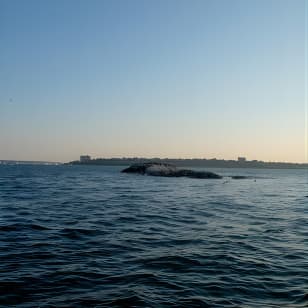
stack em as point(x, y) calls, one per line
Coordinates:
point(153, 158)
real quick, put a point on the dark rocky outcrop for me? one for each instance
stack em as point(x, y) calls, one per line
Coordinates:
point(162, 169)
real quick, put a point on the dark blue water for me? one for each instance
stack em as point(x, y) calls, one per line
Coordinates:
point(85, 236)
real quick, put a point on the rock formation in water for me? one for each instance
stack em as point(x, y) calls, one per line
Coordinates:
point(162, 169)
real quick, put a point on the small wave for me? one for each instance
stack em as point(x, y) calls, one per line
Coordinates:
point(195, 301)
point(75, 233)
point(171, 262)
point(20, 227)
point(125, 301)
point(303, 299)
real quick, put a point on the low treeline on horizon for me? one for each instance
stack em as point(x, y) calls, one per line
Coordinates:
point(241, 162)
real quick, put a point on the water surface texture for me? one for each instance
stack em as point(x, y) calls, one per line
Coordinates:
point(89, 236)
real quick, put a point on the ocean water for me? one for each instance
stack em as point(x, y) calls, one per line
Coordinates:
point(90, 236)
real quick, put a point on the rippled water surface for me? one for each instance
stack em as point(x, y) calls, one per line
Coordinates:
point(86, 236)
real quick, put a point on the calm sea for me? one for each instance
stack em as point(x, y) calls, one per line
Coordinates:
point(89, 236)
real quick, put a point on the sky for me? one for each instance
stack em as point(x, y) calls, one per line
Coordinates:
point(171, 78)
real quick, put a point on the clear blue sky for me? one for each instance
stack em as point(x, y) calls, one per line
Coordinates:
point(152, 78)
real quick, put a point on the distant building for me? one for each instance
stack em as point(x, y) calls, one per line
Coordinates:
point(85, 158)
point(241, 159)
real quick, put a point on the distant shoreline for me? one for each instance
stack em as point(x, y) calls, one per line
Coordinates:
point(213, 163)
point(28, 162)
point(207, 163)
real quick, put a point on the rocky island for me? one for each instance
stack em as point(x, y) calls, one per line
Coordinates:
point(168, 170)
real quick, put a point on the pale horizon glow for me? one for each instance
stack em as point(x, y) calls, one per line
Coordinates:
point(178, 79)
